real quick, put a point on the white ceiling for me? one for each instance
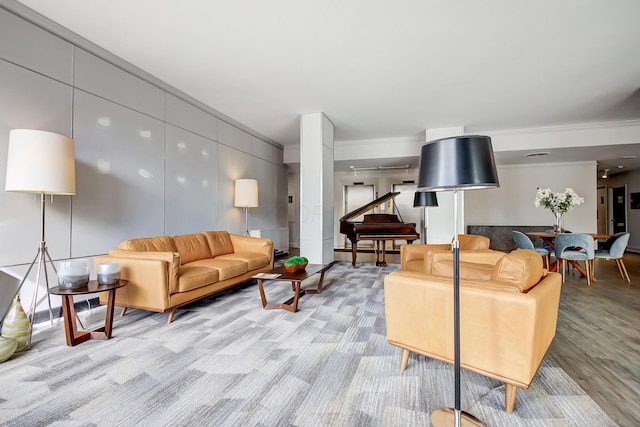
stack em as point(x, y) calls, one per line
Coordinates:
point(378, 68)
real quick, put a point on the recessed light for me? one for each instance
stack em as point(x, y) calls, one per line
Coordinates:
point(627, 157)
point(620, 166)
point(537, 154)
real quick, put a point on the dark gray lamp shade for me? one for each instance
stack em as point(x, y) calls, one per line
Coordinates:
point(425, 198)
point(462, 162)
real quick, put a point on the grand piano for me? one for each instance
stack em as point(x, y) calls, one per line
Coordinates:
point(377, 227)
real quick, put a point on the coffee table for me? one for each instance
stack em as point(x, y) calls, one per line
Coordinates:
point(74, 336)
point(296, 279)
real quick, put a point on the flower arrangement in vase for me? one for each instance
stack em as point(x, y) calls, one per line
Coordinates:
point(558, 203)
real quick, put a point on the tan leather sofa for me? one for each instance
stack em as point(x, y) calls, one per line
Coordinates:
point(413, 257)
point(167, 272)
point(508, 314)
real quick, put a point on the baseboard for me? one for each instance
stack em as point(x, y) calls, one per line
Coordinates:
point(43, 316)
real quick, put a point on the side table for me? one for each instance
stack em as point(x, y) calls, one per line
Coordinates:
point(75, 336)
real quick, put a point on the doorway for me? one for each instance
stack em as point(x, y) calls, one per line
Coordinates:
point(618, 209)
point(601, 211)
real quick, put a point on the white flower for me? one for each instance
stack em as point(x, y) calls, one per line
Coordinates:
point(558, 202)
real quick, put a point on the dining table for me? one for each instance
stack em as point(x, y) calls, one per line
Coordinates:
point(550, 237)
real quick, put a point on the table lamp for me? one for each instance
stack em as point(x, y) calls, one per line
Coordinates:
point(457, 163)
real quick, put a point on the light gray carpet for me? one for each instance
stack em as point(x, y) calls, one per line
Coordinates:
point(225, 361)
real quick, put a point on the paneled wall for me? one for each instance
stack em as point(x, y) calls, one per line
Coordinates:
point(149, 161)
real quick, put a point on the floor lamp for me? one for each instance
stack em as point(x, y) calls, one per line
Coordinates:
point(425, 199)
point(246, 197)
point(41, 163)
point(457, 163)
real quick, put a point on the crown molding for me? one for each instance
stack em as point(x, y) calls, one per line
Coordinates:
point(560, 128)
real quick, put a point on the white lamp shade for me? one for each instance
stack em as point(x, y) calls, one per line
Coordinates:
point(246, 193)
point(40, 162)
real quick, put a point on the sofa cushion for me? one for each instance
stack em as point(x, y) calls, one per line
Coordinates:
point(219, 243)
point(253, 260)
point(227, 268)
point(192, 247)
point(150, 244)
point(522, 267)
point(194, 276)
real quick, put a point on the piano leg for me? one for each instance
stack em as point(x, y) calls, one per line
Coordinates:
point(379, 262)
point(354, 249)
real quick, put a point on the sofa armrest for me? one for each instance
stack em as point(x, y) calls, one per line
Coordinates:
point(252, 245)
point(151, 275)
point(503, 333)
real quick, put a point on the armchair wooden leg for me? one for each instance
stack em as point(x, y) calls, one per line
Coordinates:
point(123, 312)
point(587, 265)
point(405, 359)
point(510, 392)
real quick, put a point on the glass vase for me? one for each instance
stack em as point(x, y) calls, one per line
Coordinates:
point(73, 273)
point(558, 227)
point(16, 325)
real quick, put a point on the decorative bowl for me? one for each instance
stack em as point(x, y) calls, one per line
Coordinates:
point(108, 273)
point(73, 273)
point(295, 267)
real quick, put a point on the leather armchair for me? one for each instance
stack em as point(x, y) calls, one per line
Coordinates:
point(413, 257)
point(507, 321)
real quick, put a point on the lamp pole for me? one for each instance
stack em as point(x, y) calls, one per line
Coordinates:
point(42, 256)
point(246, 220)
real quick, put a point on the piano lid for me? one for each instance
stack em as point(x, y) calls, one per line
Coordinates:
point(357, 212)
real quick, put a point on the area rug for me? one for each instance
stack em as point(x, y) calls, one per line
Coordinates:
point(225, 361)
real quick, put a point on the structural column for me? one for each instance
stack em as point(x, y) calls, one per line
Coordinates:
point(316, 188)
point(439, 221)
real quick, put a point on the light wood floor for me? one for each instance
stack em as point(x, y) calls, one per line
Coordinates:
point(598, 335)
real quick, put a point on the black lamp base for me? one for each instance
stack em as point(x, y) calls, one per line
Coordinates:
point(445, 417)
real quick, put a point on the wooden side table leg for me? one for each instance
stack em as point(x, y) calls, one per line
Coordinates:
point(108, 322)
point(69, 317)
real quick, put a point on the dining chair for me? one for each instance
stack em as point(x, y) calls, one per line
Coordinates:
point(575, 247)
point(613, 248)
point(522, 241)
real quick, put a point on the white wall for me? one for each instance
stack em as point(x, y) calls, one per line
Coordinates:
point(513, 202)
